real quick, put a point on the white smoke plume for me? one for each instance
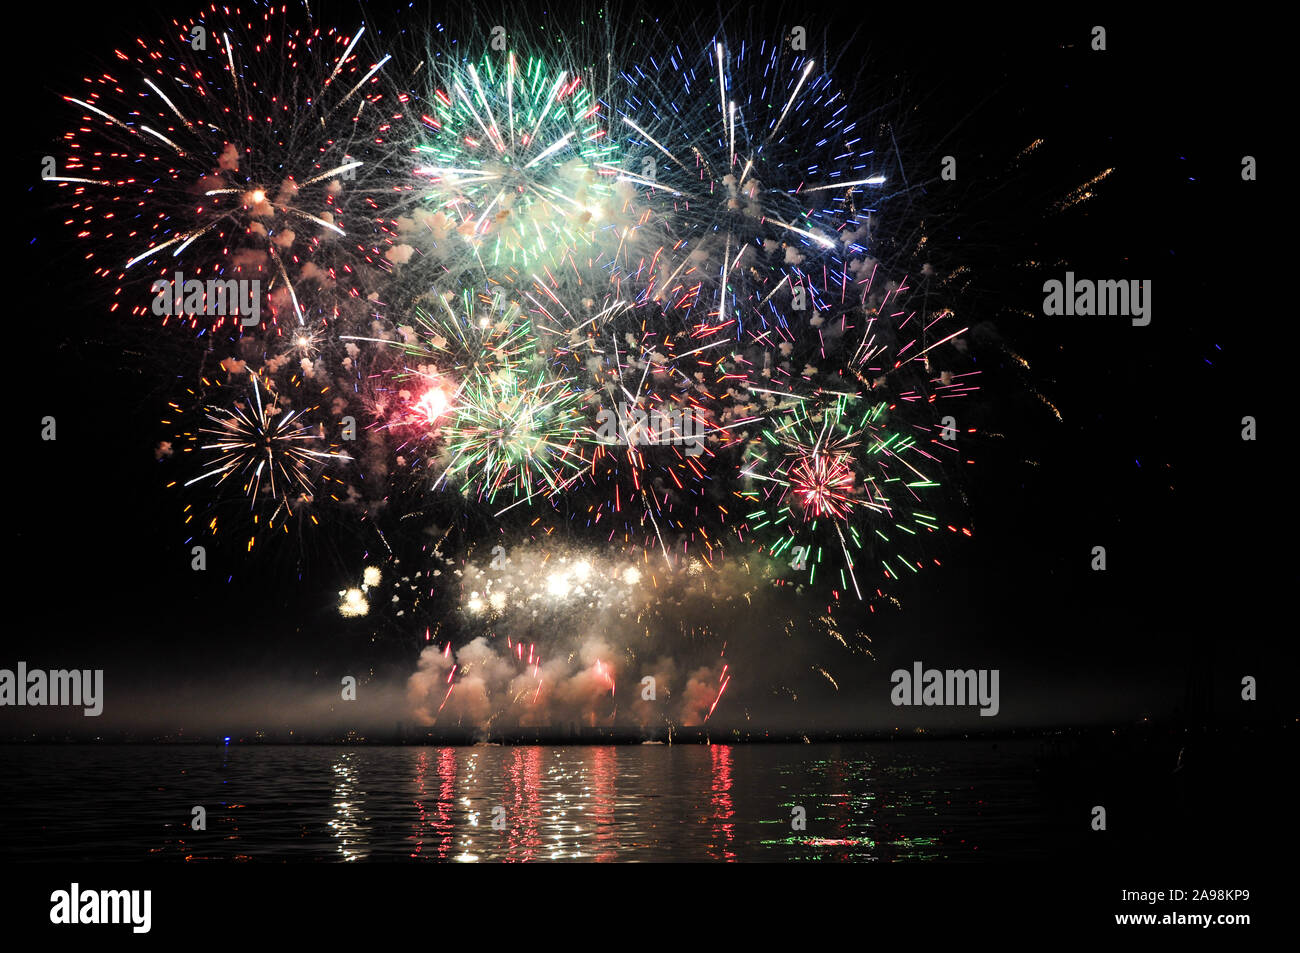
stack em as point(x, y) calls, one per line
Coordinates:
point(571, 636)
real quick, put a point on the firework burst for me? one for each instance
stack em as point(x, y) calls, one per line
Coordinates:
point(259, 449)
point(236, 146)
point(514, 169)
point(836, 480)
point(761, 175)
point(520, 432)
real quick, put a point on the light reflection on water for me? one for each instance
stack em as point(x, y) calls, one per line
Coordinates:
point(860, 802)
point(348, 821)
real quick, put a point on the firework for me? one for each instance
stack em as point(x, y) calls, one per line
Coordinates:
point(259, 449)
point(661, 398)
point(449, 337)
point(559, 632)
point(515, 431)
point(760, 172)
point(235, 147)
point(488, 258)
point(476, 401)
point(835, 480)
point(513, 169)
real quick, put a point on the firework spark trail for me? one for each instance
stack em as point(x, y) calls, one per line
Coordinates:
point(721, 689)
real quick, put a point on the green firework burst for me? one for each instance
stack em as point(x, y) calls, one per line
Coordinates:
point(835, 484)
point(518, 164)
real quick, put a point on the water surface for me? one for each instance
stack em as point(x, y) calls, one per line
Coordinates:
point(861, 802)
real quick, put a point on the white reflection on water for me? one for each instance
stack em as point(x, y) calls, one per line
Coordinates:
point(547, 797)
point(347, 822)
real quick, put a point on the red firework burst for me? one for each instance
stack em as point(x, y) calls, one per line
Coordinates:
point(823, 482)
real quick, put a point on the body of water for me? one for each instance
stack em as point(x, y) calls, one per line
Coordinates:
point(971, 800)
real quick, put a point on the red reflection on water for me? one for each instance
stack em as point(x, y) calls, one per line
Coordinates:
point(422, 813)
point(724, 831)
point(523, 804)
point(442, 822)
point(439, 821)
